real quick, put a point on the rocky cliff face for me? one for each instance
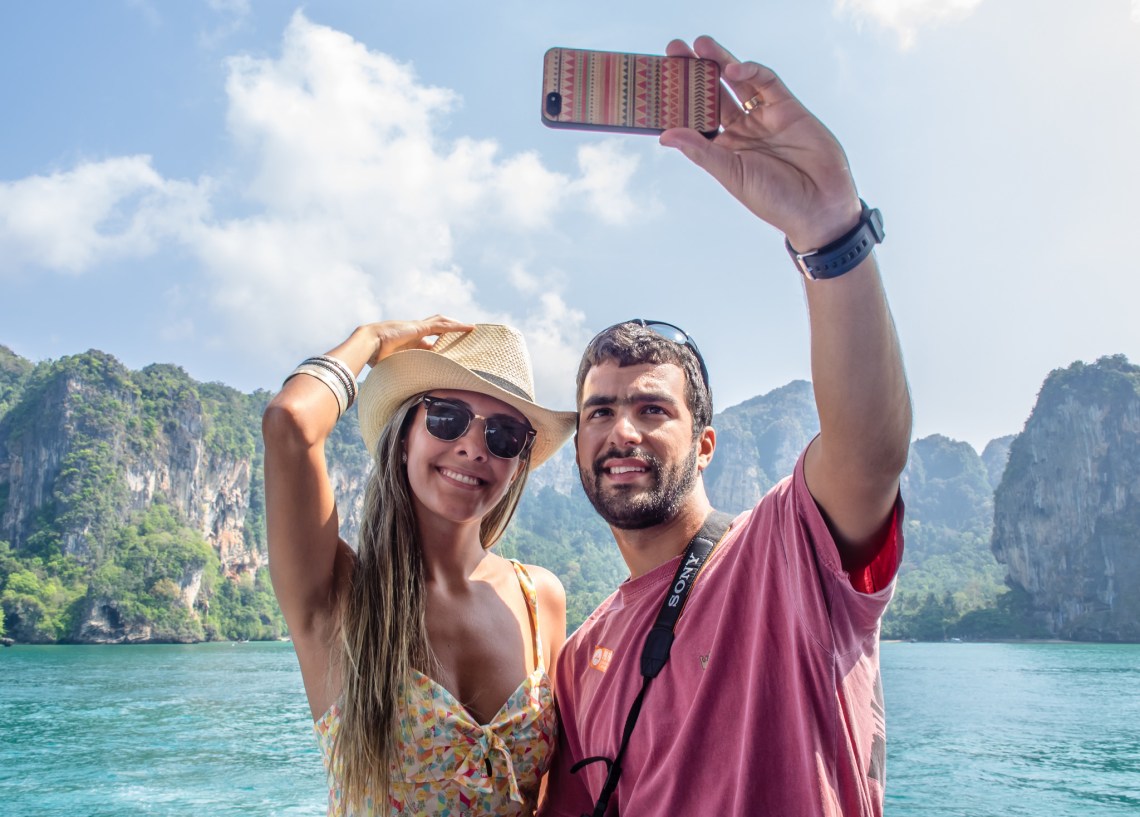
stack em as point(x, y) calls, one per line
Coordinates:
point(90, 442)
point(1067, 512)
point(995, 456)
point(559, 473)
point(949, 518)
point(758, 443)
point(946, 483)
point(349, 466)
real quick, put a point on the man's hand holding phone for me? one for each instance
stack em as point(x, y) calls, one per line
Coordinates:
point(735, 119)
point(772, 154)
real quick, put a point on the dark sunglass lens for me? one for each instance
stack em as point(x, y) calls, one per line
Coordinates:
point(446, 421)
point(505, 438)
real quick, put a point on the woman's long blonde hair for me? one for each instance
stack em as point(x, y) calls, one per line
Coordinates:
point(382, 631)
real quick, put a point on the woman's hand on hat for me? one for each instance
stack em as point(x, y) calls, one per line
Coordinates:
point(772, 154)
point(390, 337)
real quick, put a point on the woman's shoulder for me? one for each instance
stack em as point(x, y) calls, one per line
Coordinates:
point(545, 582)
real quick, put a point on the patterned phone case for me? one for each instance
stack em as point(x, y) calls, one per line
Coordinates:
point(605, 90)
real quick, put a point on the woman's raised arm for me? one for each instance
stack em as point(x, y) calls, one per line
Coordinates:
point(308, 561)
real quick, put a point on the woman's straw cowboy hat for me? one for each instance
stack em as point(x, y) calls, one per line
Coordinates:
point(490, 359)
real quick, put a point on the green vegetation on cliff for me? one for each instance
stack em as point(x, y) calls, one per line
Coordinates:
point(13, 373)
point(947, 570)
point(88, 556)
point(159, 581)
point(140, 586)
point(564, 535)
point(38, 596)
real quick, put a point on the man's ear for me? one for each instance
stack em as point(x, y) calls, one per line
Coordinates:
point(706, 445)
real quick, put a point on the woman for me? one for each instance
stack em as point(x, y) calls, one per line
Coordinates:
point(423, 654)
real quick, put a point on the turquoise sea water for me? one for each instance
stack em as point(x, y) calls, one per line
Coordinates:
point(1049, 730)
point(223, 729)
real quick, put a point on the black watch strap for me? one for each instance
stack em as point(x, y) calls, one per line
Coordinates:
point(846, 252)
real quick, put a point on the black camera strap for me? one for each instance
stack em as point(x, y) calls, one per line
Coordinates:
point(659, 642)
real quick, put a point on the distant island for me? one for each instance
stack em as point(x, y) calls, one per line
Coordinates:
point(132, 509)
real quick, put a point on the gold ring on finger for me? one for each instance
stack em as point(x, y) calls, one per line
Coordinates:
point(752, 104)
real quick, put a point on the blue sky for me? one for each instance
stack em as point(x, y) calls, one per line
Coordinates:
point(233, 187)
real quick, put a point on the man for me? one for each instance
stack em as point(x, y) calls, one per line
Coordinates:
point(770, 701)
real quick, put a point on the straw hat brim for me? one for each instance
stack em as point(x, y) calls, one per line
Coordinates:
point(416, 371)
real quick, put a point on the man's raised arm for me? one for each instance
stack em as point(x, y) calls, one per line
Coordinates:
point(789, 170)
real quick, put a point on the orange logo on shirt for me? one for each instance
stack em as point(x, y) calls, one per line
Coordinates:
point(601, 658)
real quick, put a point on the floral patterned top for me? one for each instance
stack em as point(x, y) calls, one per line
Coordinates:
point(449, 764)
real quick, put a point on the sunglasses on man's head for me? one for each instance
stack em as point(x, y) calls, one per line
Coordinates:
point(449, 420)
point(678, 336)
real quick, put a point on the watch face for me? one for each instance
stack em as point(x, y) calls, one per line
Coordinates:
point(875, 221)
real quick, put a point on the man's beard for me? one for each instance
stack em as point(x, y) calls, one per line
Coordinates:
point(628, 507)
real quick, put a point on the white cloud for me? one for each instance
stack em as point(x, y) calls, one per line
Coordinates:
point(100, 211)
point(364, 207)
point(523, 280)
point(527, 192)
point(355, 208)
point(606, 172)
point(359, 202)
point(906, 17)
point(555, 336)
point(1136, 11)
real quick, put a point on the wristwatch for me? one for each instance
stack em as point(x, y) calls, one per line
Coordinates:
point(844, 253)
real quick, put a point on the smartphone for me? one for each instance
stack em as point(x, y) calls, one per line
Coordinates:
point(629, 93)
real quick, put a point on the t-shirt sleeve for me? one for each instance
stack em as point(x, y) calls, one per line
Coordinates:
point(881, 572)
point(854, 603)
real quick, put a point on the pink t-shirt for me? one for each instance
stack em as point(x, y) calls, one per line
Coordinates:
point(771, 702)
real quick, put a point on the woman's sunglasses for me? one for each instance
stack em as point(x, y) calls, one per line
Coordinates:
point(449, 420)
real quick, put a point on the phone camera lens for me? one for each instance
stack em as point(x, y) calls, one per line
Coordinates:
point(553, 104)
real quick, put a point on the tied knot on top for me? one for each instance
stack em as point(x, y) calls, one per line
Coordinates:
point(475, 770)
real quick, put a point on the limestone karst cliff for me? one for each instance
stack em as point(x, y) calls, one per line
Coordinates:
point(131, 503)
point(1067, 511)
point(90, 442)
point(758, 442)
point(995, 456)
point(948, 569)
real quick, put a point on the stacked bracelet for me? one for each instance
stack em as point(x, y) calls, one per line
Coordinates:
point(334, 374)
point(342, 372)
